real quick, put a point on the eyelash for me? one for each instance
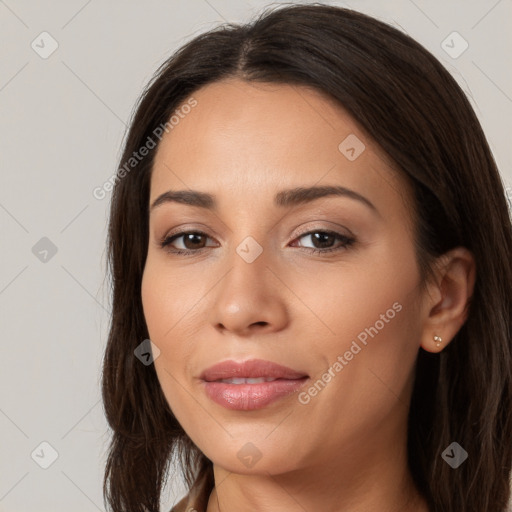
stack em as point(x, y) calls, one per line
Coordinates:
point(167, 240)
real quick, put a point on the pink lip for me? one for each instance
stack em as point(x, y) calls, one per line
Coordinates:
point(250, 396)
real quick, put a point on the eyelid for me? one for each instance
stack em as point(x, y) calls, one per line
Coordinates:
point(335, 229)
point(178, 234)
point(183, 230)
point(347, 241)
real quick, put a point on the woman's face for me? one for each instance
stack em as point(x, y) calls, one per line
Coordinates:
point(346, 319)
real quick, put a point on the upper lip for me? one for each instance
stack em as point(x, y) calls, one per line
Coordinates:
point(252, 368)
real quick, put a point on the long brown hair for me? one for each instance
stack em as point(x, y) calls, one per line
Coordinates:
point(413, 108)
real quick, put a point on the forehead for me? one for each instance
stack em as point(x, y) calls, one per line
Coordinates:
point(254, 137)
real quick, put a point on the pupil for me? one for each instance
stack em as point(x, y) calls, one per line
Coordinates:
point(323, 237)
point(192, 237)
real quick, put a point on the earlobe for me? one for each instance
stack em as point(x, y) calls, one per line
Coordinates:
point(448, 307)
point(438, 340)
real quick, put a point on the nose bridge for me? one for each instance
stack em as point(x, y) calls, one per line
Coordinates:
point(249, 293)
point(250, 250)
point(248, 263)
point(250, 236)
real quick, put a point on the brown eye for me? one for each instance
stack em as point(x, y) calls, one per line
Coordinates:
point(191, 241)
point(323, 241)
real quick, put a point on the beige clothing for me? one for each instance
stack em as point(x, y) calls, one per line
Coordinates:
point(197, 499)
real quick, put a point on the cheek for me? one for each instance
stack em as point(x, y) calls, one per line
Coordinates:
point(368, 317)
point(371, 359)
point(172, 322)
point(170, 301)
point(153, 302)
point(369, 300)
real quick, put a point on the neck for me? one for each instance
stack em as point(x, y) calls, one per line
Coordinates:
point(372, 485)
point(367, 472)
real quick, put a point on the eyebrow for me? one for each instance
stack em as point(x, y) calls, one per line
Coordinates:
point(284, 198)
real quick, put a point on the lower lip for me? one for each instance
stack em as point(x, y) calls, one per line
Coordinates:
point(248, 397)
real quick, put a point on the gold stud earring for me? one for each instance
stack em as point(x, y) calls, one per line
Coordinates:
point(438, 340)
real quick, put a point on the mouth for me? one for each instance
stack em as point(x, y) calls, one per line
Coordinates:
point(250, 385)
point(242, 380)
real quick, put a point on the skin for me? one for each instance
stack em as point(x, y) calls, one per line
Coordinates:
point(345, 450)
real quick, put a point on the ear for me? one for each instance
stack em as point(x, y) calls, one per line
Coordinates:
point(447, 303)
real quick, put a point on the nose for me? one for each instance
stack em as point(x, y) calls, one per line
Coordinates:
point(250, 298)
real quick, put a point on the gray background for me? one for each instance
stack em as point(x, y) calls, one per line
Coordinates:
point(61, 127)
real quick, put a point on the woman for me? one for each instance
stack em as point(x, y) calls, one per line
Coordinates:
point(315, 238)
